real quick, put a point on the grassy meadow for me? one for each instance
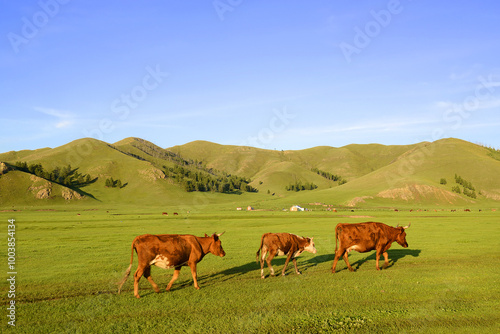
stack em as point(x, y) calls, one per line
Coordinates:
point(68, 262)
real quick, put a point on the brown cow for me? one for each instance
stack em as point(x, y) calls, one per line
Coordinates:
point(283, 244)
point(170, 251)
point(364, 237)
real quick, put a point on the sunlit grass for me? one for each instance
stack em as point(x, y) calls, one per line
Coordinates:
point(68, 267)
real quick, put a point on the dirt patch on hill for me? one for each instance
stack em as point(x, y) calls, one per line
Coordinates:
point(69, 194)
point(492, 195)
point(152, 174)
point(3, 168)
point(418, 192)
point(357, 200)
point(41, 188)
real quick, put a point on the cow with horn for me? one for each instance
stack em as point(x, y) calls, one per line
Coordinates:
point(365, 237)
point(170, 251)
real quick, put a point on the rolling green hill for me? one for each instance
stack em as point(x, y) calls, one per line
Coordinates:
point(142, 181)
point(376, 175)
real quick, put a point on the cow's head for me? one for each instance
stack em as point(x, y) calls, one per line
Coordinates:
point(216, 245)
point(401, 237)
point(310, 246)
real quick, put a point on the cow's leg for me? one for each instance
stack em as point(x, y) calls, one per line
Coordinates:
point(193, 272)
point(386, 258)
point(262, 257)
point(338, 255)
point(295, 265)
point(268, 260)
point(290, 254)
point(341, 253)
point(346, 254)
point(377, 258)
point(137, 276)
point(177, 271)
point(147, 274)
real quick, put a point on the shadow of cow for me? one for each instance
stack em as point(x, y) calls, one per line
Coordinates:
point(394, 256)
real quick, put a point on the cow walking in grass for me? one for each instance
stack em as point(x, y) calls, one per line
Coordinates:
point(365, 237)
point(282, 244)
point(170, 251)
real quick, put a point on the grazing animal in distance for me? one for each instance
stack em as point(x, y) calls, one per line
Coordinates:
point(365, 237)
point(170, 251)
point(282, 244)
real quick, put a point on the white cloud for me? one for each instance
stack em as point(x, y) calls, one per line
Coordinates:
point(54, 112)
point(65, 119)
point(64, 124)
point(372, 127)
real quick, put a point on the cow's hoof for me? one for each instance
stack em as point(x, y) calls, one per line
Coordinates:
point(137, 296)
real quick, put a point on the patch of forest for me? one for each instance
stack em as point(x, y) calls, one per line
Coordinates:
point(329, 176)
point(66, 176)
point(213, 181)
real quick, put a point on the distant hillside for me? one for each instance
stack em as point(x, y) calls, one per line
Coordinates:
point(200, 171)
point(377, 174)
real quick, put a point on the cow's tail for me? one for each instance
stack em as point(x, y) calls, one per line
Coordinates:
point(127, 272)
point(338, 230)
point(260, 248)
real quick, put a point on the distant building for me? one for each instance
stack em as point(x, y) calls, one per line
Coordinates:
point(238, 208)
point(296, 208)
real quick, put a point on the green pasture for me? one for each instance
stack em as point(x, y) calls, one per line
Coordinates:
point(68, 263)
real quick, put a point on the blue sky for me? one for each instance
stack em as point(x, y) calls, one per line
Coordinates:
point(270, 74)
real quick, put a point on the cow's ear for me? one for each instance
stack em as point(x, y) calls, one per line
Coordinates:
point(215, 236)
point(206, 235)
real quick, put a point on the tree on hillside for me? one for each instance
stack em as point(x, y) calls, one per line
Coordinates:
point(298, 186)
point(330, 176)
point(204, 180)
point(456, 189)
point(111, 183)
point(67, 176)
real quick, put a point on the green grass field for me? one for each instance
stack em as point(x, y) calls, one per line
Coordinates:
point(446, 281)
